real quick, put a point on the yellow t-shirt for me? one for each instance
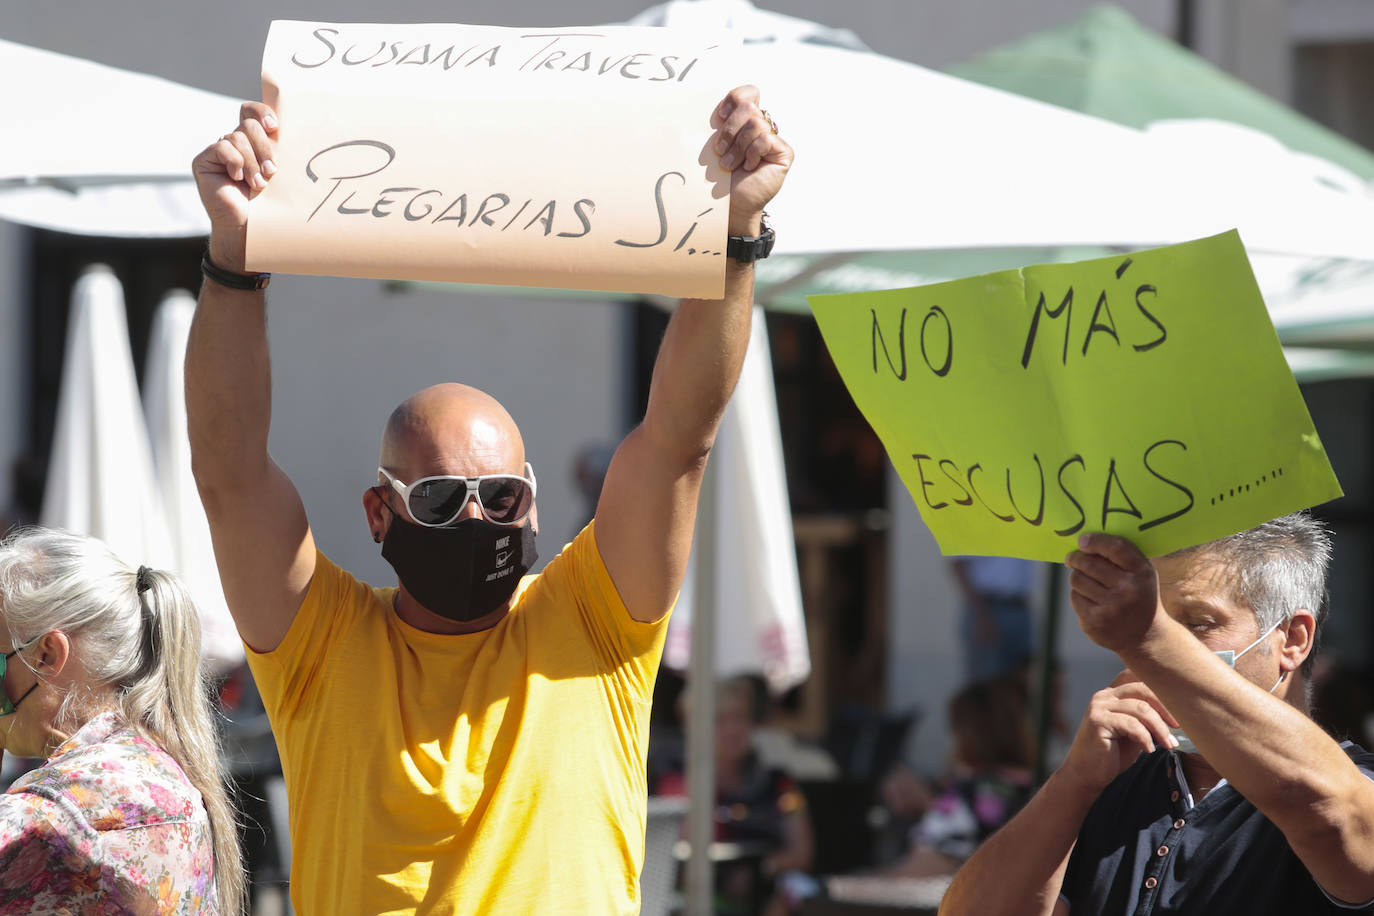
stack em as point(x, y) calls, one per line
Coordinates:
point(497, 772)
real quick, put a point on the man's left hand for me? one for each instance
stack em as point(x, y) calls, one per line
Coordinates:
point(756, 157)
point(1115, 591)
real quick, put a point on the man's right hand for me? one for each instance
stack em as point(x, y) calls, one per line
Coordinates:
point(1021, 867)
point(229, 173)
point(1122, 722)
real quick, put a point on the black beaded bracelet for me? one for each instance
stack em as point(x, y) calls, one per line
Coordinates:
point(230, 278)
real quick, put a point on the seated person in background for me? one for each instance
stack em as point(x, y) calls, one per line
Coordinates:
point(904, 797)
point(759, 808)
point(101, 676)
point(990, 782)
point(1197, 783)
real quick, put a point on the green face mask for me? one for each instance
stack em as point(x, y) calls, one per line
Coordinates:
point(7, 707)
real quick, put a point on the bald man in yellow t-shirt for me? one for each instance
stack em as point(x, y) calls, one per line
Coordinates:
point(473, 740)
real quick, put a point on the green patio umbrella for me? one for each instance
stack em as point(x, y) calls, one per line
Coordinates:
point(1106, 64)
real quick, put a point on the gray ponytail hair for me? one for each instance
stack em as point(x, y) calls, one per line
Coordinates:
point(137, 635)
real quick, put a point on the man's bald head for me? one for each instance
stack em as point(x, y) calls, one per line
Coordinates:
point(451, 429)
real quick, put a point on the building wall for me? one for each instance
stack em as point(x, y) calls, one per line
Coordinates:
point(1248, 38)
point(1330, 21)
point(1332, 80)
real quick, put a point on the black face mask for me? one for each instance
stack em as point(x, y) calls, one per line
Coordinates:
point(463, 571)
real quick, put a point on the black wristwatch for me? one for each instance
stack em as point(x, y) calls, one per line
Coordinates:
point(750, 248)
point(232, 279)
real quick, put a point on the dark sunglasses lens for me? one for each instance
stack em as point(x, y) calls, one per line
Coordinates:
point(434, 502)
point(506, 499)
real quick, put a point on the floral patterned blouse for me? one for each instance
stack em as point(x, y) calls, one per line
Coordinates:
point(109, 825)
point(971, 809)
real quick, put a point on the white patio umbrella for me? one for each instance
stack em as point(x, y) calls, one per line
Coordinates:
point(892, 156)
point(164, 405)
point(1319, 303)
point(100, 474)
point(757, 592)
point(68, 175)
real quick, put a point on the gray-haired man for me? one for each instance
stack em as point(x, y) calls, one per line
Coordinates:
point(1197, 782)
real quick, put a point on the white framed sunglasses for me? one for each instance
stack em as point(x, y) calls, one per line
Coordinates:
point(435, 502)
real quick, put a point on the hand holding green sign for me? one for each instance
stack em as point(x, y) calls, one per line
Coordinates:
point(1144, 395)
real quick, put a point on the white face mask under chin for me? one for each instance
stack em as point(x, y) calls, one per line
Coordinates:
point(1229, 656)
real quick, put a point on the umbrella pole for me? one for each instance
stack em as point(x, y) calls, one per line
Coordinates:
point(1045, 665)
point(701, 686)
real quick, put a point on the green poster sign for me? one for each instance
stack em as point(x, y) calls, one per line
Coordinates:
point(1144, 395)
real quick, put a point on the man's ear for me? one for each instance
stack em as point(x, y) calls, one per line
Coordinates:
point(378, 514)
point(54, 651)
point(1301, 634)
point(534, 519)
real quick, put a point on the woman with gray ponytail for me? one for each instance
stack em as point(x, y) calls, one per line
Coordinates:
point(101, 676)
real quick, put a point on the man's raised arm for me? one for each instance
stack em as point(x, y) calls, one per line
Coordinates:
point(648, 504)
point(263, 545)
point(1268, 749)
